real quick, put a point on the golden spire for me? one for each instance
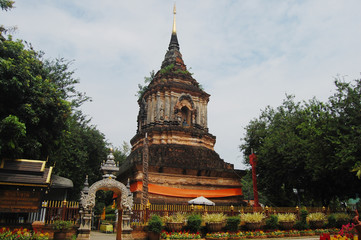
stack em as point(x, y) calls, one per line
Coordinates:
point(174, 25)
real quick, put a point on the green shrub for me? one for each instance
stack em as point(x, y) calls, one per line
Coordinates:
point(331, 219)
point(302, 223)
point(194, 222)
point(155, 224)
point(62, 225)
point(110, 217)
point(342, 219)
point(272, 222)
point(338, 219)
point(233, 223)
point(303, 215)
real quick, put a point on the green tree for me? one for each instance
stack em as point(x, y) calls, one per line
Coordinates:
point(247, 189)
point(345, 106)
point(6, 4)
point(308, 147)
point(81, 152)
point(28, 93)
point(121, 153)
point(39, 114)
point(275, 139)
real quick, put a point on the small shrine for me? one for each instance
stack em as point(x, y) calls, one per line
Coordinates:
point(173, 158)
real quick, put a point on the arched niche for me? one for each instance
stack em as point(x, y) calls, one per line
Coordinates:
point(185, 111)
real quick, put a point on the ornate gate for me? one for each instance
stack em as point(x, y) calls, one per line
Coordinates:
point(124, 201)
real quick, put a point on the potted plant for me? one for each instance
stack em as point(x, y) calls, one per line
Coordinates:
point(175, 222)
point(253, 221)
point(61, 228)
point(286, 220)
point(214, 221)
point(154, 227)
point(316, 219)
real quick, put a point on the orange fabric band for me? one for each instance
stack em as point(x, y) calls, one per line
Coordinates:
point(189, 193)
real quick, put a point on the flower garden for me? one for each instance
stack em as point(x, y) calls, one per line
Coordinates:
point(330, 234)
point(222, 227)
point(236, 228)
point(22, 234)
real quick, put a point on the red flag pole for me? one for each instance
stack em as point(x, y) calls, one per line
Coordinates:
point(253, 162)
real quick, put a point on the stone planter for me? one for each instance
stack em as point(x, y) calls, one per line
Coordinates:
point(214, 226)
point(174, 227)
point(316, 224)
point(253, 225)
point(286, 225)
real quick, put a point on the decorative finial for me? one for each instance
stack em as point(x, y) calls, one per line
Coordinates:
point(109, 167)
point(174, 23)
point(86, 185)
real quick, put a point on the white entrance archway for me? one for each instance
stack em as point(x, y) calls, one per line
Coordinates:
point(124, 202)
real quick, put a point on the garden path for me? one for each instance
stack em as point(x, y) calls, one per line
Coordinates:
point(95, 235)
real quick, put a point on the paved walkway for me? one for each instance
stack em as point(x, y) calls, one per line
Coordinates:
point(95, 235)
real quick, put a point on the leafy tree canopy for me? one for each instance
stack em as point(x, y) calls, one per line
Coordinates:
point(309, 148)
point(39, 115)
point(32, 106)
point(6, 4)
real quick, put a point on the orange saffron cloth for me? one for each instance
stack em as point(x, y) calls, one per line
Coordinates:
point(186, 193)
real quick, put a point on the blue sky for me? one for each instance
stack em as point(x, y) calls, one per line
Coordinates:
point(247, 54)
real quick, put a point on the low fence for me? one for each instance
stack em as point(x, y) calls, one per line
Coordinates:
point(64, 210)
point(60, 210)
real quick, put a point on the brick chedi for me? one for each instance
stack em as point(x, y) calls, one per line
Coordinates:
point(181, 161)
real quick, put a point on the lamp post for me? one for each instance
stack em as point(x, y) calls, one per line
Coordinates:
point(297, 192)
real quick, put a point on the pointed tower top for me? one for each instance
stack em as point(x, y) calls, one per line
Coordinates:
point(174, 22)
point(174, 40)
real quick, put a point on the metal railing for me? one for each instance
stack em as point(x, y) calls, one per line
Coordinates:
point(60, 210)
